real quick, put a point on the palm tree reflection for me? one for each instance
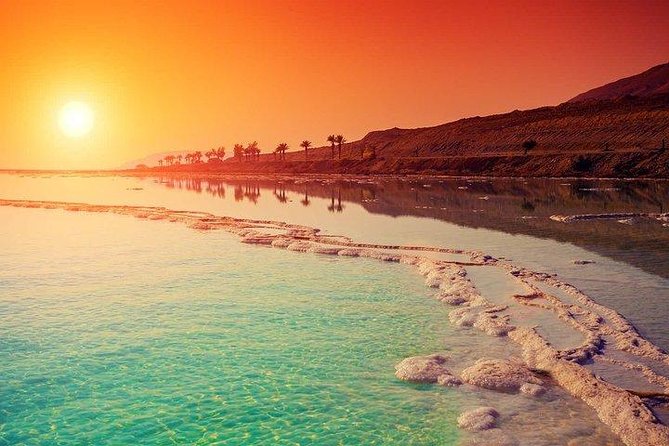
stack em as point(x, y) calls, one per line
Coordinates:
point(252, 192)
point(281, 194)
point(216, 188)
point(239, 192)
point(338, 207)
point(305, 201)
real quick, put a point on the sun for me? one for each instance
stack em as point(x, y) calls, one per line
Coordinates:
point(76, 119)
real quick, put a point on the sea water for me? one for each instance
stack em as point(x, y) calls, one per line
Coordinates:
point(117, 331)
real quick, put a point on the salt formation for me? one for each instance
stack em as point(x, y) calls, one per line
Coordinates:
point(624, 216)
point(426, 369)
point(627, 414)
point(532, 389)
point(479, 419)
point(499, 375)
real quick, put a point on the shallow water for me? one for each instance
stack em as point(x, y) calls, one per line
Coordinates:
point(115, 330)
point(631, 269)
point(148, 332)
point(182, 288)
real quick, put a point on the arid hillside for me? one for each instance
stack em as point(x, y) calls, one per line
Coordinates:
point(650, 82)
point(624, 124)
point(618, 130)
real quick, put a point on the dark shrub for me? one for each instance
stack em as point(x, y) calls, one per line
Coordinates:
point(582, 164)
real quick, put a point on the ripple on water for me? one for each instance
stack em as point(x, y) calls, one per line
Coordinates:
point(207, 340)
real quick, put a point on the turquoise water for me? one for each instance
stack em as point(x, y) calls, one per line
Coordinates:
point(118, 331)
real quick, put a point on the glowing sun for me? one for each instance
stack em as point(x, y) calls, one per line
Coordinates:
point(75, 119)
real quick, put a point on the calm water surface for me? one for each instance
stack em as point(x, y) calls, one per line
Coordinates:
point(114, 331)
point(119, 331)
point(502, 217)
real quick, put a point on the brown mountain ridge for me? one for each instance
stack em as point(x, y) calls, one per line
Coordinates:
point(617, 130)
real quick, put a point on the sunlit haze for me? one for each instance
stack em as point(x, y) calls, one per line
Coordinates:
point(163, 76)
point(76, 119)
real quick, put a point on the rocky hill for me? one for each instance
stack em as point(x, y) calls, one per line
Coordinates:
point(650, 82)
point(629, 123)
point(617, 130)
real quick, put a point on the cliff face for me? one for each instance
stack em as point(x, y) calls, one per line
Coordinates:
point(650, 82)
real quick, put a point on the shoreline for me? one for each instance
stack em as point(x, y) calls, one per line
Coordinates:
point(627, 414)
point(512, 206)
point(315, 176)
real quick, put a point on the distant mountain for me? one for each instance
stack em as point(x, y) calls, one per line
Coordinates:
point(648, 83)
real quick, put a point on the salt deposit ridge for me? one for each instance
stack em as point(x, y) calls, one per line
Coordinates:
point(567, 339)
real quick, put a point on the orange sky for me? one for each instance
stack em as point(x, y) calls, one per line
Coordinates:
point(173, 75)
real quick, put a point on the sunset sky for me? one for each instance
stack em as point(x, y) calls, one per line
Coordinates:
point(177, 75)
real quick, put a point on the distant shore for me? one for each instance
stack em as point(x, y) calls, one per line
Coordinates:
point(627, 164)
point(633, 164)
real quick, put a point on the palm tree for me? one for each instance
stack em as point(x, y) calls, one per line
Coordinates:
point(339, 139)
point(160, 162)
point(281, 149)
point(305, 145)
point(179, 158)
point(198, 156)
point(169, 159)
point(210, 154)
point(332, 140)
point(220, 153)
point(252, 150)
point(238, 150)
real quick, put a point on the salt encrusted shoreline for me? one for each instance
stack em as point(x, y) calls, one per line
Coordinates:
point(625, 413)
point(662, 217)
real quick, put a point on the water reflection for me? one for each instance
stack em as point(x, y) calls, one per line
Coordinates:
point(511, 206)
point(339, 207)
point(281, 193)
point(305, 201)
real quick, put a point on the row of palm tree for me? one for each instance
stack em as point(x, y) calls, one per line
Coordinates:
point(218, 154)
point(281, 151)
point(338, 140)
point(249, 153)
